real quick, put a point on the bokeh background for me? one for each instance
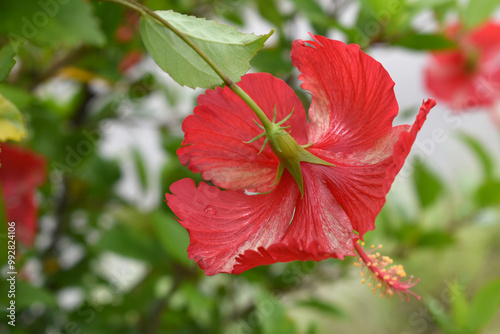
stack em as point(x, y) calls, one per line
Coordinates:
point(104, 253)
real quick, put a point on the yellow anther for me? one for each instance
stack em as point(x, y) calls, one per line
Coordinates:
point(391, 283)
point(370, 285)
point(394, 278)
point(380, 246)
point(379, 285)
point(386, 277)
point(362, 243)
point(361, 274)
point(372, 246)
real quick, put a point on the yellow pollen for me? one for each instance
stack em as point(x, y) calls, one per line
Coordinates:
point(361, 274)
point(380, 246)
point(363, 281)
point(379, 285)
point(362, 243)
point(372, 246)
point(370, 285)
point(386, 277)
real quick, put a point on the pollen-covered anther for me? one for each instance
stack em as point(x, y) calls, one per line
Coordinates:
point(387, 278)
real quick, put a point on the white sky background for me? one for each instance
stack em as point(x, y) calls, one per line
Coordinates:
point(447, 156)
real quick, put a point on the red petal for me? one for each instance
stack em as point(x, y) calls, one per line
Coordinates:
point(21, 172)
point(222, 224)
point(353, 102)
point(232, 232)
point(215, 134)
point(360, 181)
point(320, 228)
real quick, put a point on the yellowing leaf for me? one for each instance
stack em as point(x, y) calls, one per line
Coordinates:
point(12, 125)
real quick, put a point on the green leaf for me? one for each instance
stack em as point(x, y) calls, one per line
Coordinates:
point(484, 306)
point(488, 194)
point(140, 168)
point(274, 317)
point(172, 236)
point(130, 242)
point(459, 305)
point(328, 309)
point(229, 49)
point(425, 42)
point(16, 95)
point(50, 23)
point(435, 239)
point(313, 11)
point(442, 319)
point(27, 294)
point(478, 11)
point(271, 60)
point(7, 61)
point(427, 184)
point(198, 304)
point(269, 11)
point(427, 4)
point(12, 125)
point(380, 20)
point(481, 153)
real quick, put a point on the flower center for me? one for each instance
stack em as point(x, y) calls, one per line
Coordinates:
point(387, 279)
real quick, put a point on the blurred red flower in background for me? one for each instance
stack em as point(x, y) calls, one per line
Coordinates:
point(21, 172)
point(469, 75)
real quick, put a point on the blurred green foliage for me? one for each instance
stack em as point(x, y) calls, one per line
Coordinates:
point(104, 263)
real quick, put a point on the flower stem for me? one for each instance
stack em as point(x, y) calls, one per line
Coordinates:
point(145, 11)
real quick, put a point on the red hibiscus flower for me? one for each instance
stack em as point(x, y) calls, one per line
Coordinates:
point(347, 156)
point(21, 172)
point(468, 76)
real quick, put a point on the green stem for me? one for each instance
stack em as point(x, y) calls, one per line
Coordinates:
point(251, 103)
point(145, 11)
